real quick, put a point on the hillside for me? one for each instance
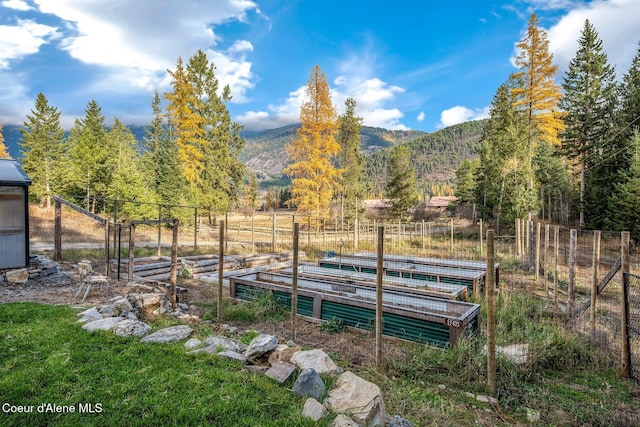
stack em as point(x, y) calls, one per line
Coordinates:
point(265, 152)
point(435, 156)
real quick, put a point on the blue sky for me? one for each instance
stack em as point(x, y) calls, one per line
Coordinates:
point(409, 64)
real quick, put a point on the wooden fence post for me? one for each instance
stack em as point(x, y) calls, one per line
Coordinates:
point(491, 315)
point(594, 281)
point(159, 251)
point(451, 246)
point(220, 270)
point(626, 348)
point(546, 252)
point(571, 291)
point(481, 245)
point(294, 282)
point(538, 232)
point(253, 229)
point(57, 232)
point(518, 237)
point(174, 263)
point(132, 247)
point(273, 233)
point(379, 274)
point(556, 239)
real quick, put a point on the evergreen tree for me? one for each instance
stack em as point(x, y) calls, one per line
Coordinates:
point(401, 188)
point(629, 95)
point(4, 154)
point(554, 181)
point(315, 179)
point(466, 181)
point(624, 203)
point(88, 155)
point(505, 172)
point(350, 158)
point(127, 181)
point(43, 150)
point(589, 103)
point(209, 143)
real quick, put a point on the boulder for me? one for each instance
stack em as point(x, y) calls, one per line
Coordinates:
point(128, 327)
point(359, 398)
point(314, 409)
point(280, 371)
point(398, 421)
point(317, 360)
point(309, 384)
point(17, 276)
point(89, 315)
point(283, 353)
point(260, 345)
point(344, 421)
point(147, 300)
point(192, 343)
point(102, 324)
point(233, 355)
point(225, 343)
point(170, 334)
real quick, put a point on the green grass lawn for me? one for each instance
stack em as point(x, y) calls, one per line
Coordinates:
point(46, 358)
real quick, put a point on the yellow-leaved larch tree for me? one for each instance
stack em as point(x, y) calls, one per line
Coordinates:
point(314, 178)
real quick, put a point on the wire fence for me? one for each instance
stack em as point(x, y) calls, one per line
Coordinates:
point(578, 272)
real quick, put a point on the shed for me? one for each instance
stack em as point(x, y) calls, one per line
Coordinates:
point(14, 215)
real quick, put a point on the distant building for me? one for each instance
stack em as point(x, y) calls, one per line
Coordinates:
point(440, 203)
point(376, 208)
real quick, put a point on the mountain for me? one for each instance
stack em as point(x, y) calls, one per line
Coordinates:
point(435, 156)
point(265, 152)
point(12, 137)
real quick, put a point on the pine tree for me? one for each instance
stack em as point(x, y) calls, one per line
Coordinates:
point(315, 179)
point(209, 143)
point(350, 159)
point(538, 95)
point(589, 102)
point(466, 181)
point(43, 150)
point(505, 172)
point(401, 188)
point(624, 203)
point(629, 94)
point(88, 154)
point(128, 181)
point(4, 154)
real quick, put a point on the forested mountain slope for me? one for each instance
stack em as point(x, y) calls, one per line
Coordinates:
point(435, 156)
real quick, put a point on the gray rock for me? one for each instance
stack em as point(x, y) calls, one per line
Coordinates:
point(192, 343)
point(225, 343)
point(128, 327)
point(280, 371)
point(260, 345)
point(89, 315)
point(146, 300)
point(170, 334)
point(344, 421)
point(233, 355)
point(61, 278)
point(317, 360)
point(131, 316)
point(229, 328)
point(107, 310)
point(398, 421)
point(359, 398)
point(314, 409)
point(486, 399)
point(310, 384)
point(17, 276)
point(102, 325)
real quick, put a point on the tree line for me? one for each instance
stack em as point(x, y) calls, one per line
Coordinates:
point(188, 156)
point(568, 151)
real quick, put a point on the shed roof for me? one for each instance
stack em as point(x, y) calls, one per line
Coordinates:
point(12, 174)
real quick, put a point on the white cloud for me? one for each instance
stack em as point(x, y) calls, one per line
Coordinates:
point(460, 114)
point(286, 113)
point(615, 20)
point(420, 116)
point(23, 39)
point(146, 37)
point(16, 5)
